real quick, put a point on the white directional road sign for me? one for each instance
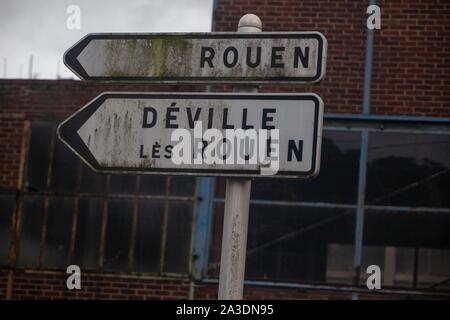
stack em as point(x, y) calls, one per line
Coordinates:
point(137, 133)
point(266, 57)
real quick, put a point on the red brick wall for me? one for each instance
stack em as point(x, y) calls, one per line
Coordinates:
point(52, 285)
point(24, 99)
point(11, 131)
point(60, 98)
point(411, 68)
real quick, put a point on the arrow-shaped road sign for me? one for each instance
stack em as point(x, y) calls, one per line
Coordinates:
point(141, 133)
point(272, 57)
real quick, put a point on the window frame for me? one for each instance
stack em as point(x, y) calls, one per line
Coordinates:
point(22, 192)
point(340, 122)
point(203, 199)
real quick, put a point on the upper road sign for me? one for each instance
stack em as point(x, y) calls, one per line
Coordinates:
point(144, 132)
point(272, 57)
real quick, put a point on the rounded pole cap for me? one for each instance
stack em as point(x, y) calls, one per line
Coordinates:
point(250, 23)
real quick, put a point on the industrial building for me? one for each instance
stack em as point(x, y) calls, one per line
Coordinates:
point(382, 196)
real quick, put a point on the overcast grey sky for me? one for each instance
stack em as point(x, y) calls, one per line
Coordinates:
point(38, 27)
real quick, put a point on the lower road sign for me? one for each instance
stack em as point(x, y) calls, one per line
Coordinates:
point(210, 134)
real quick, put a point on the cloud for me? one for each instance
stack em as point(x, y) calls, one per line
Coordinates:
point(38, 27)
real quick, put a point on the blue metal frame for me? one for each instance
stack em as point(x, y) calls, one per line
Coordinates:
point(385, 118)
point(359, 228)
point(203, 226)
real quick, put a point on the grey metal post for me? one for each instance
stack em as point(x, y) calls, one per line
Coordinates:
point(237, 204)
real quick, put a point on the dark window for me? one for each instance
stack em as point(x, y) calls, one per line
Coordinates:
point(58, 234)
point(39, 154)
point(178, 237)
point(72, 215)
point(123, 184)
point(213, 267)
point(280, 240)
point(307, 232)
point(182, 186)
point(147, 256)
point(65, 169)
point(87, 241)
point(283, 235)
point(118, 235)
point(406, 227)
point(408, 170)
point(31, 230)
point(392, 239)
point(7, 205)
point(336, 183)
point(433, 268)
point(91, 182)
point(151, 184)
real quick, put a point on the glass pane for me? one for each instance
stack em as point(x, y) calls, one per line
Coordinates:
point(394, 240)
point(340, 263)
point(404, 262)
point(336, 182)
point(41, 135)
point(147, 255)
point(213, 268)
point(376, 255)
point(30, 234)
point(59, 228)
point(65, 169)
point(178, 241)
point(7, 204)
point(406, 229)
point(154, 185)
point(118, 233)
point(182, 186)
point(293, 243)
point(89, 223)
point(91, 182)
point(125, 184)
point(408, 170)
point(397, 266)
point(434, 269)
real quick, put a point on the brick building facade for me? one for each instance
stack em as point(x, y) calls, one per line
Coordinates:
point(409, 104)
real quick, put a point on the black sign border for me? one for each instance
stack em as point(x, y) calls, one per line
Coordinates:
point(71, 55)
point(67, 133)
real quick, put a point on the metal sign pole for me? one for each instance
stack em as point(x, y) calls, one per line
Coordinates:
point(237, 203)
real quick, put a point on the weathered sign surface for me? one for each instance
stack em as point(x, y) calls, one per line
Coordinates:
point(266, 57)
point(140, 133)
